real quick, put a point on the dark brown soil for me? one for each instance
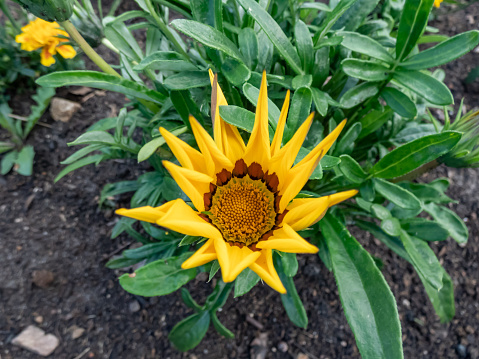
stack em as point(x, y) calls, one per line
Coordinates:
point(59, 228)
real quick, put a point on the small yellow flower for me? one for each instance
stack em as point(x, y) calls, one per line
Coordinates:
point(437, 3)
point(43, 34)
point(244, 195)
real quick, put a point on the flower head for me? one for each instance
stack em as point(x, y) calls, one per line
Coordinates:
point(45, 35)
point(437, 3)
point(244, 194)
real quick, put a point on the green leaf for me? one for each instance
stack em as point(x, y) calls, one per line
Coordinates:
point(208, 36)
point(42, 98)
point(298, 112)
point(187, 79)
point(8, 161)
point(399, 102)
point(147, 250)
point(6, 146)
point(304, 44)
point(102, 81)
point(355, 15)
point(165, 61)
point(391, 226)
point(252, 94)
point(188, 240)
point(238, 117)
point(291, 301)
point(365, 70)
point(188, 333)
point(380, 211)
point(220, 328)
point(396, 194)
point(415, 154)
point(374, 120)
point(442, 300)
point(121, 262)
point(331, 19)
point(80, 163)
point(346, 144)
point(320, 101)
point(189, 301)
point(328, 162)
point(411, 26)
point(425, 229)
point(274, 33)
point(423, 259)
point(443, 53)
point(245, 281)
point(248, 44)
point(365, 45)
point(158, 278)
point(351, 169)
point(94, 138)
point(215, 267)
point(368, 303)
point(235, 71)
point(24, 161)
point(449, 220)
point(119, 35)
point(358, 94)
point(150, 148)
point(425, 86)
point(290, 264)
point(301, 81)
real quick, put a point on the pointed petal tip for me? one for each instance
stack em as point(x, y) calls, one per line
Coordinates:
point(121, 211)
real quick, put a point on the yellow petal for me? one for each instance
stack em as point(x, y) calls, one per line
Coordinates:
point(285, 239)
point(258, 148)
point(299, 174)
point(194, 184)
point(334, 199)
point(205, 254)
point(265, 269)
point(303, 212)
point(233, 260)
point(278, 135)
point(184, 153)
point(66, 51)
point(227, 137)
point(183, 219)
point(46, 58)
point(282, 161)
point(146, 214)
point(214, 158)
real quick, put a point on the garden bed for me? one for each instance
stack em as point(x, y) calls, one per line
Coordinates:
point(60, 228)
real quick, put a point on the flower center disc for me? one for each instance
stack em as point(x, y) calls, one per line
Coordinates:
point(243, 210)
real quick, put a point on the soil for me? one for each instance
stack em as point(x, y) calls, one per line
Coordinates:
point(59, 228)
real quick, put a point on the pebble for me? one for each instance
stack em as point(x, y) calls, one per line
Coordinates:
point(42, 278)
point(461, 351)
point(283, 347)
point(63, 110)
point(77, 332)
point(134, 306)
point(38, 319)
point(302, 356)
point(35, 340)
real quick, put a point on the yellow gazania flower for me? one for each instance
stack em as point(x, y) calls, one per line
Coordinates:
point(437, 3)
point(243, 194)
point(43, 34)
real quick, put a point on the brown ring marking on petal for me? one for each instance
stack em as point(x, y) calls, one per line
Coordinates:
point(272, 181)
point(207, 200)
point(205, 217)
point(240, 169)
point(280, 216)
point(223, 177)
point(255, 171)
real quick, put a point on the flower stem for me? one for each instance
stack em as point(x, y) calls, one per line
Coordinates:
point(92, 54)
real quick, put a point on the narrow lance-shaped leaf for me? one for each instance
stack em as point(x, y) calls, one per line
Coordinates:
point(367, 300)
point(208, 36)
point(399, 102)
point(413, 22)
point(414, 154)
point(450, 220)
point(100, 81)
point(396, 194)
point(365, 45)
point(188, 333)
point(365, 70)
point(274, 33)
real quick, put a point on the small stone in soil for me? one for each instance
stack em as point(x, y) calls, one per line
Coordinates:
point(461, 351)
point(283, 347)
point(34, 339)
point(76, 332)
point(62, 110)
point(42, 278)
point(134, 306)
point(302, 356)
